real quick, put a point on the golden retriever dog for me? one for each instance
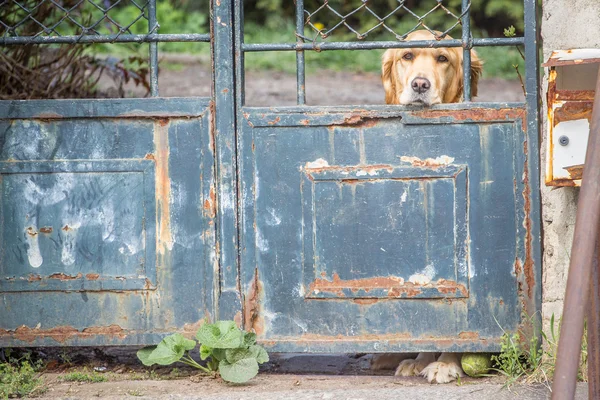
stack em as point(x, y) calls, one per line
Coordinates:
point(425, 76)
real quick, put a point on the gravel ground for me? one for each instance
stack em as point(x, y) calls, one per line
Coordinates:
point(286, 376)
point(267, 88)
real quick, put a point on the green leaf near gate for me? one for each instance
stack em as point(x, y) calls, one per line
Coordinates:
point(168, 351)
point(221, 335)
point(205, 352)
point(249, 339)
point(224, 348)
point(144, 355)
point(240, 371)
point(260, 354)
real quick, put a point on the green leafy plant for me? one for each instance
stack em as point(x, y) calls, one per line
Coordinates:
point(226, 349)
point(19, 377)
point(83, 376)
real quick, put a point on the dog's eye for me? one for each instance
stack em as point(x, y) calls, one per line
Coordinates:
point(408, 56)
point(442, 59)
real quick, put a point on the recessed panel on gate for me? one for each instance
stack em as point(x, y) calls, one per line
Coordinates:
point(396, 234)
point(107, 212)
point(385, 232)
point(81, 225)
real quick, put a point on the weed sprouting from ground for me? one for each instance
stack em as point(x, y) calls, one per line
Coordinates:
point(522, 356)
point(20, 377)
point(83, 376)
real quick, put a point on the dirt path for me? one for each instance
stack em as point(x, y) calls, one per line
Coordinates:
point(297, 387)
point(268, 88)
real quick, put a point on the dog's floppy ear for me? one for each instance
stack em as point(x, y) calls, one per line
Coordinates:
point(455, 92)
point(476, 70)
point(388, 77)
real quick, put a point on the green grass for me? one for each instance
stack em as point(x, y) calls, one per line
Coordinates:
point(523, 357)
point(83, 377)
point(20, 379)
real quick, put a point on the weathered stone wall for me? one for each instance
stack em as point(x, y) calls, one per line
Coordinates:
point(567, 24)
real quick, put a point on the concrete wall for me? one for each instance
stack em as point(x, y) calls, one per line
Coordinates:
point(565, 24)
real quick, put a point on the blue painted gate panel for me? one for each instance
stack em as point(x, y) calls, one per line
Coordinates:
point(108, 221)
point(401, 233)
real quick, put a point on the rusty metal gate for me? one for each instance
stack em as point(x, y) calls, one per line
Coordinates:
point(343, 228)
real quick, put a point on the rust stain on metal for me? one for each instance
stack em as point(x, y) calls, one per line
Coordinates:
point(64, 277)
point(67, 228)
point(570, 95)
point(440, 161)
point(353, 120)
point(528, 266)
point(446, 286)
point(468, 335)
point(395, 286)
point(563, 182)
point(34, 278)
point(573, 110)
point(252, 318)
point(63, 333)
point(212, 127)
point(163, 184)
point(371, 170)
point(409, 289)
point(92, 277)
point(305, 122)
point(150, 156)
point(210, 204)
point(336, 285)
point(477, 115)
point(110, 330)
point(518, 267)
point(365, 301)
point(575, 171)
point(31, 231)
point(275, 121)
point(46, 229)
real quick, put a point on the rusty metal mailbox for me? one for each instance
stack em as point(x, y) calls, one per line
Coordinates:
point(571, 81)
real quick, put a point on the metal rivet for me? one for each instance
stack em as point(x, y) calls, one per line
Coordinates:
point(563, 140)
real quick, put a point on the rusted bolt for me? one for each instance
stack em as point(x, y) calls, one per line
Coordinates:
point(563, 140)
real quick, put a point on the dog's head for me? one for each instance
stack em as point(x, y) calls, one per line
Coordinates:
point(427, 76)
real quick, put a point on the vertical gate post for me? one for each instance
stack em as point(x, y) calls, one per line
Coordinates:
point(580, 270)
point(223, 129)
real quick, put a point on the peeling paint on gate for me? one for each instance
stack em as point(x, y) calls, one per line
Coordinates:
point(369, 201)
point(163, 184)
point(108, 200)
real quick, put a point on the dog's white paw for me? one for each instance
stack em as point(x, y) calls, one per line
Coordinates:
point(414, 367)
point(409, 368)
point(442, 372)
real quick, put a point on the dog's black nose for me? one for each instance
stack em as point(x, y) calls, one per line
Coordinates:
point(421, 85)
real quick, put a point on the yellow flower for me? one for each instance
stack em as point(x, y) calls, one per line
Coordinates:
point(319, 26)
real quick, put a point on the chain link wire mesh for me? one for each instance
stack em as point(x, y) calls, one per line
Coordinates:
point(367, 17)
point(58, 18)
